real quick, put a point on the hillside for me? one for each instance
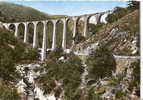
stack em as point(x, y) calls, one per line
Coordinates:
point(121, 37)
point(10, 12)
point(12, 52)
point(66, 76)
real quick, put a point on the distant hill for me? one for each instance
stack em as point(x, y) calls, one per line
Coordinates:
point(10, 12)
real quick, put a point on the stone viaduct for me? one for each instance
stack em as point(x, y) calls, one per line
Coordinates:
point(64, 20)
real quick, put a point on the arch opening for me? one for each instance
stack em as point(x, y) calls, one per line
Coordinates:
point(39, 30)
point(30, 32)
point(69, 33)
point(59, 33)
point(80, 31)
point(12, 28)
point(49, 29)
point(21, 29)
point(92, 25)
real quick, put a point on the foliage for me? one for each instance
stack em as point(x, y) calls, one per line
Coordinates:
point(92, 95)
point(133, 5)
point(98, 27)
point(117, 14)
point(100, 63)
point(8, 92)
point(136, 75)
point(78, 38)
point(132, 25)
point(12, 52)
point(7, 56)
point(30, 54)
point(9, 11)
point(67, 72)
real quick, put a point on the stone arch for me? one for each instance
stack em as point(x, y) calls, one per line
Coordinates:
point(49, 29)
point(91, 25)
point(97, 18)
point(40, 27)
point(75, 20)
point(54, 40)
point(69, 32)
point(75, 28)
point(80, 30)
point(11, 27)
point(80, 25)
point(21, 29)
point(26, 31)
point(104, 16)
point(30, 31)
point(59, 33)
point(92, 21)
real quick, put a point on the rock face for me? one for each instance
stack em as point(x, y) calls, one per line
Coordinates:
point(27, 86)
point(122, 64)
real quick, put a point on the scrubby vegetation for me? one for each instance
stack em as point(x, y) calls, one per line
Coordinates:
point(8, 11)
point(63, 74)
point(133, 5)
point(12, 52)
point(101, 63)
point(63, 69)
point(8, 92)
point(119, 12)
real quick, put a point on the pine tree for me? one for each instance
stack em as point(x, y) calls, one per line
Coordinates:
point(133, 5)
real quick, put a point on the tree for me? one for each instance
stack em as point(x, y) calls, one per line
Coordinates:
point(100, 64)
point(133, 5)
point(118, 13)
point(64, 69)
point(12, 52)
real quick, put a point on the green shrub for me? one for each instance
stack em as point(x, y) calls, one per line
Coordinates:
point(132, 5)
point(7, 56)
point(100, 64)
point(68, 72)
point(30, 54)
point(136, 74)
point(117, 14)
point(12, 52)
point(78, 38)
point(8, 93)
point(92, 95)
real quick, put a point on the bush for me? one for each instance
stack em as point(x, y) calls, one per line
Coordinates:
point(8, 93)
point(12, 52)
point(117, 14)
point(100, 64)
point(132, 5)
point(67, 72)
point(136, 74)
point(30, 54)
point(78, 38)
point(7, 56)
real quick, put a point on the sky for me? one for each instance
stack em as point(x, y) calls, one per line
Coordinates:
point(71, 8)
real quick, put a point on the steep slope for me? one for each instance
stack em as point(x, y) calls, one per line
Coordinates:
point(12, 52)
point(120, 37)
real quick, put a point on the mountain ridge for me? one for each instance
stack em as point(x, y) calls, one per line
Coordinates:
point(10, 12)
